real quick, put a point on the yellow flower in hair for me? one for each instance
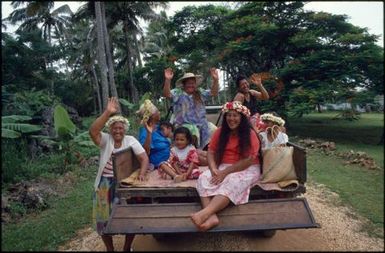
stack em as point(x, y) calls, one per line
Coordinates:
point(146, 110)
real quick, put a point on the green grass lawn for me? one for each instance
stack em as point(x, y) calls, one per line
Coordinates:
point(358, 187)
point(56, 225)
point(367, 130)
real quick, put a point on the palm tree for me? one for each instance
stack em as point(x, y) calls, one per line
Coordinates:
point(101, 53)
point(81, 55)
point(156, 42)
point(39, 13)
point(128, 13)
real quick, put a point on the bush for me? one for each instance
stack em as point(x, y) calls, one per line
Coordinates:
point(14, 156)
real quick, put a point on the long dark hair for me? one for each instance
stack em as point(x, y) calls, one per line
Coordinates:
point(244, 129)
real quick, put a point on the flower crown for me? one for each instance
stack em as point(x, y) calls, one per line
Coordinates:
point(117, 118)
point(237, 106)
point(272, 118)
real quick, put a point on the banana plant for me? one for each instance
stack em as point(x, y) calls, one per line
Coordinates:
point(67, 136)
point(14, 126)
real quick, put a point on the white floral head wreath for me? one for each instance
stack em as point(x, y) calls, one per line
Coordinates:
point(117, 118)
point(275, 119)
point(237, 106)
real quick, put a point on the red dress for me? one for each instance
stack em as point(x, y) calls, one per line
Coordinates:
point(183, 158)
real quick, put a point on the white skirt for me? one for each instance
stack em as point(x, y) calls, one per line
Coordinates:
point(236, 186)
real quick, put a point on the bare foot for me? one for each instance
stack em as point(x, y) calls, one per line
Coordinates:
point(178, 178)
point(197, 219)
point(211, 222)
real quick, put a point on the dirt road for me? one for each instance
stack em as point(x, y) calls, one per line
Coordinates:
point(340, 231)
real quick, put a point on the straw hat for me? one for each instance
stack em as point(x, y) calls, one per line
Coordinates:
point(198, 79)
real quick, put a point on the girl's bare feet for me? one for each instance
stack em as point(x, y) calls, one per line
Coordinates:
point(198, 219)
point(178, 178)
point(211, 222)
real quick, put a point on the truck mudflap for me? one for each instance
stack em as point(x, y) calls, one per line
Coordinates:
point(263, 214)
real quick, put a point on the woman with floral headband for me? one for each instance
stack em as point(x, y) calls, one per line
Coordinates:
point(233, 166)
point(274, 134)
point(110, 143)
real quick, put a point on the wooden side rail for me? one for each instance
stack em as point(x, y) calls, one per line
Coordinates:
point(299, 159)
point(175, 217)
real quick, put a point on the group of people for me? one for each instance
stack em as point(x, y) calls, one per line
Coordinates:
point(176, 149)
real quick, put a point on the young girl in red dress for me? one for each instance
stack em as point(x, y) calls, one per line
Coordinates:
point(183, 161)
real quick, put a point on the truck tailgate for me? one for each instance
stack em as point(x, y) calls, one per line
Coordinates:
point(265, 214)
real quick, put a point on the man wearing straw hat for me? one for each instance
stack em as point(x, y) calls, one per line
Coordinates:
point(188, 102)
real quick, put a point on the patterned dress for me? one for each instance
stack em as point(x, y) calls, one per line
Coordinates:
point(236, 186)
point(190, 114)
point(183, 158)
point(104, 198)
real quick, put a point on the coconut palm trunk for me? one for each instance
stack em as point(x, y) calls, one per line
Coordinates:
point(131, 88)
point(101, 54)
point(95, 84)
point(110, 66)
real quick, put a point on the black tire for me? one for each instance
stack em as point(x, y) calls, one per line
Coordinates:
point(268, 233)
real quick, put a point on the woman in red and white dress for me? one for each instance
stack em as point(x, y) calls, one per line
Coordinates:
point(233, 166)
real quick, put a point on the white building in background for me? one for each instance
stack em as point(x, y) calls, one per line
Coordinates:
point(378, 101)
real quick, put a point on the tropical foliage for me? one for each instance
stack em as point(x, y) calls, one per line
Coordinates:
point(79, 59)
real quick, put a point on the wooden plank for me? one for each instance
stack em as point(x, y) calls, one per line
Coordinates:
point(299, 160)
point(124, 163)
point(164, 192)
point(171, 218)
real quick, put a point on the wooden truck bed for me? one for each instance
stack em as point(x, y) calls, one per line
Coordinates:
point(162, 210)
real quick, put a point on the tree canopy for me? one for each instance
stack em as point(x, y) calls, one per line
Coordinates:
point(307, 58)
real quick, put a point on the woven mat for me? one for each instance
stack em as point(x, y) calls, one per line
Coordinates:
point(153, 179)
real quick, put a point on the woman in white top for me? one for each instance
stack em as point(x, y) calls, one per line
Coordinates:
point(104, 187)
point(274, 134)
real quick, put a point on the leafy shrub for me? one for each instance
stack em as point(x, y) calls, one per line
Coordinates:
point(13, 156)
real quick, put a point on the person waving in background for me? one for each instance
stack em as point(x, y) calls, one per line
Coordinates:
point(248, 97)
point(109, 143)
point(188, 103)
point(233, 166)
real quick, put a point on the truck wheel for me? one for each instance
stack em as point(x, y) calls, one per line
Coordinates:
point(268, 233)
